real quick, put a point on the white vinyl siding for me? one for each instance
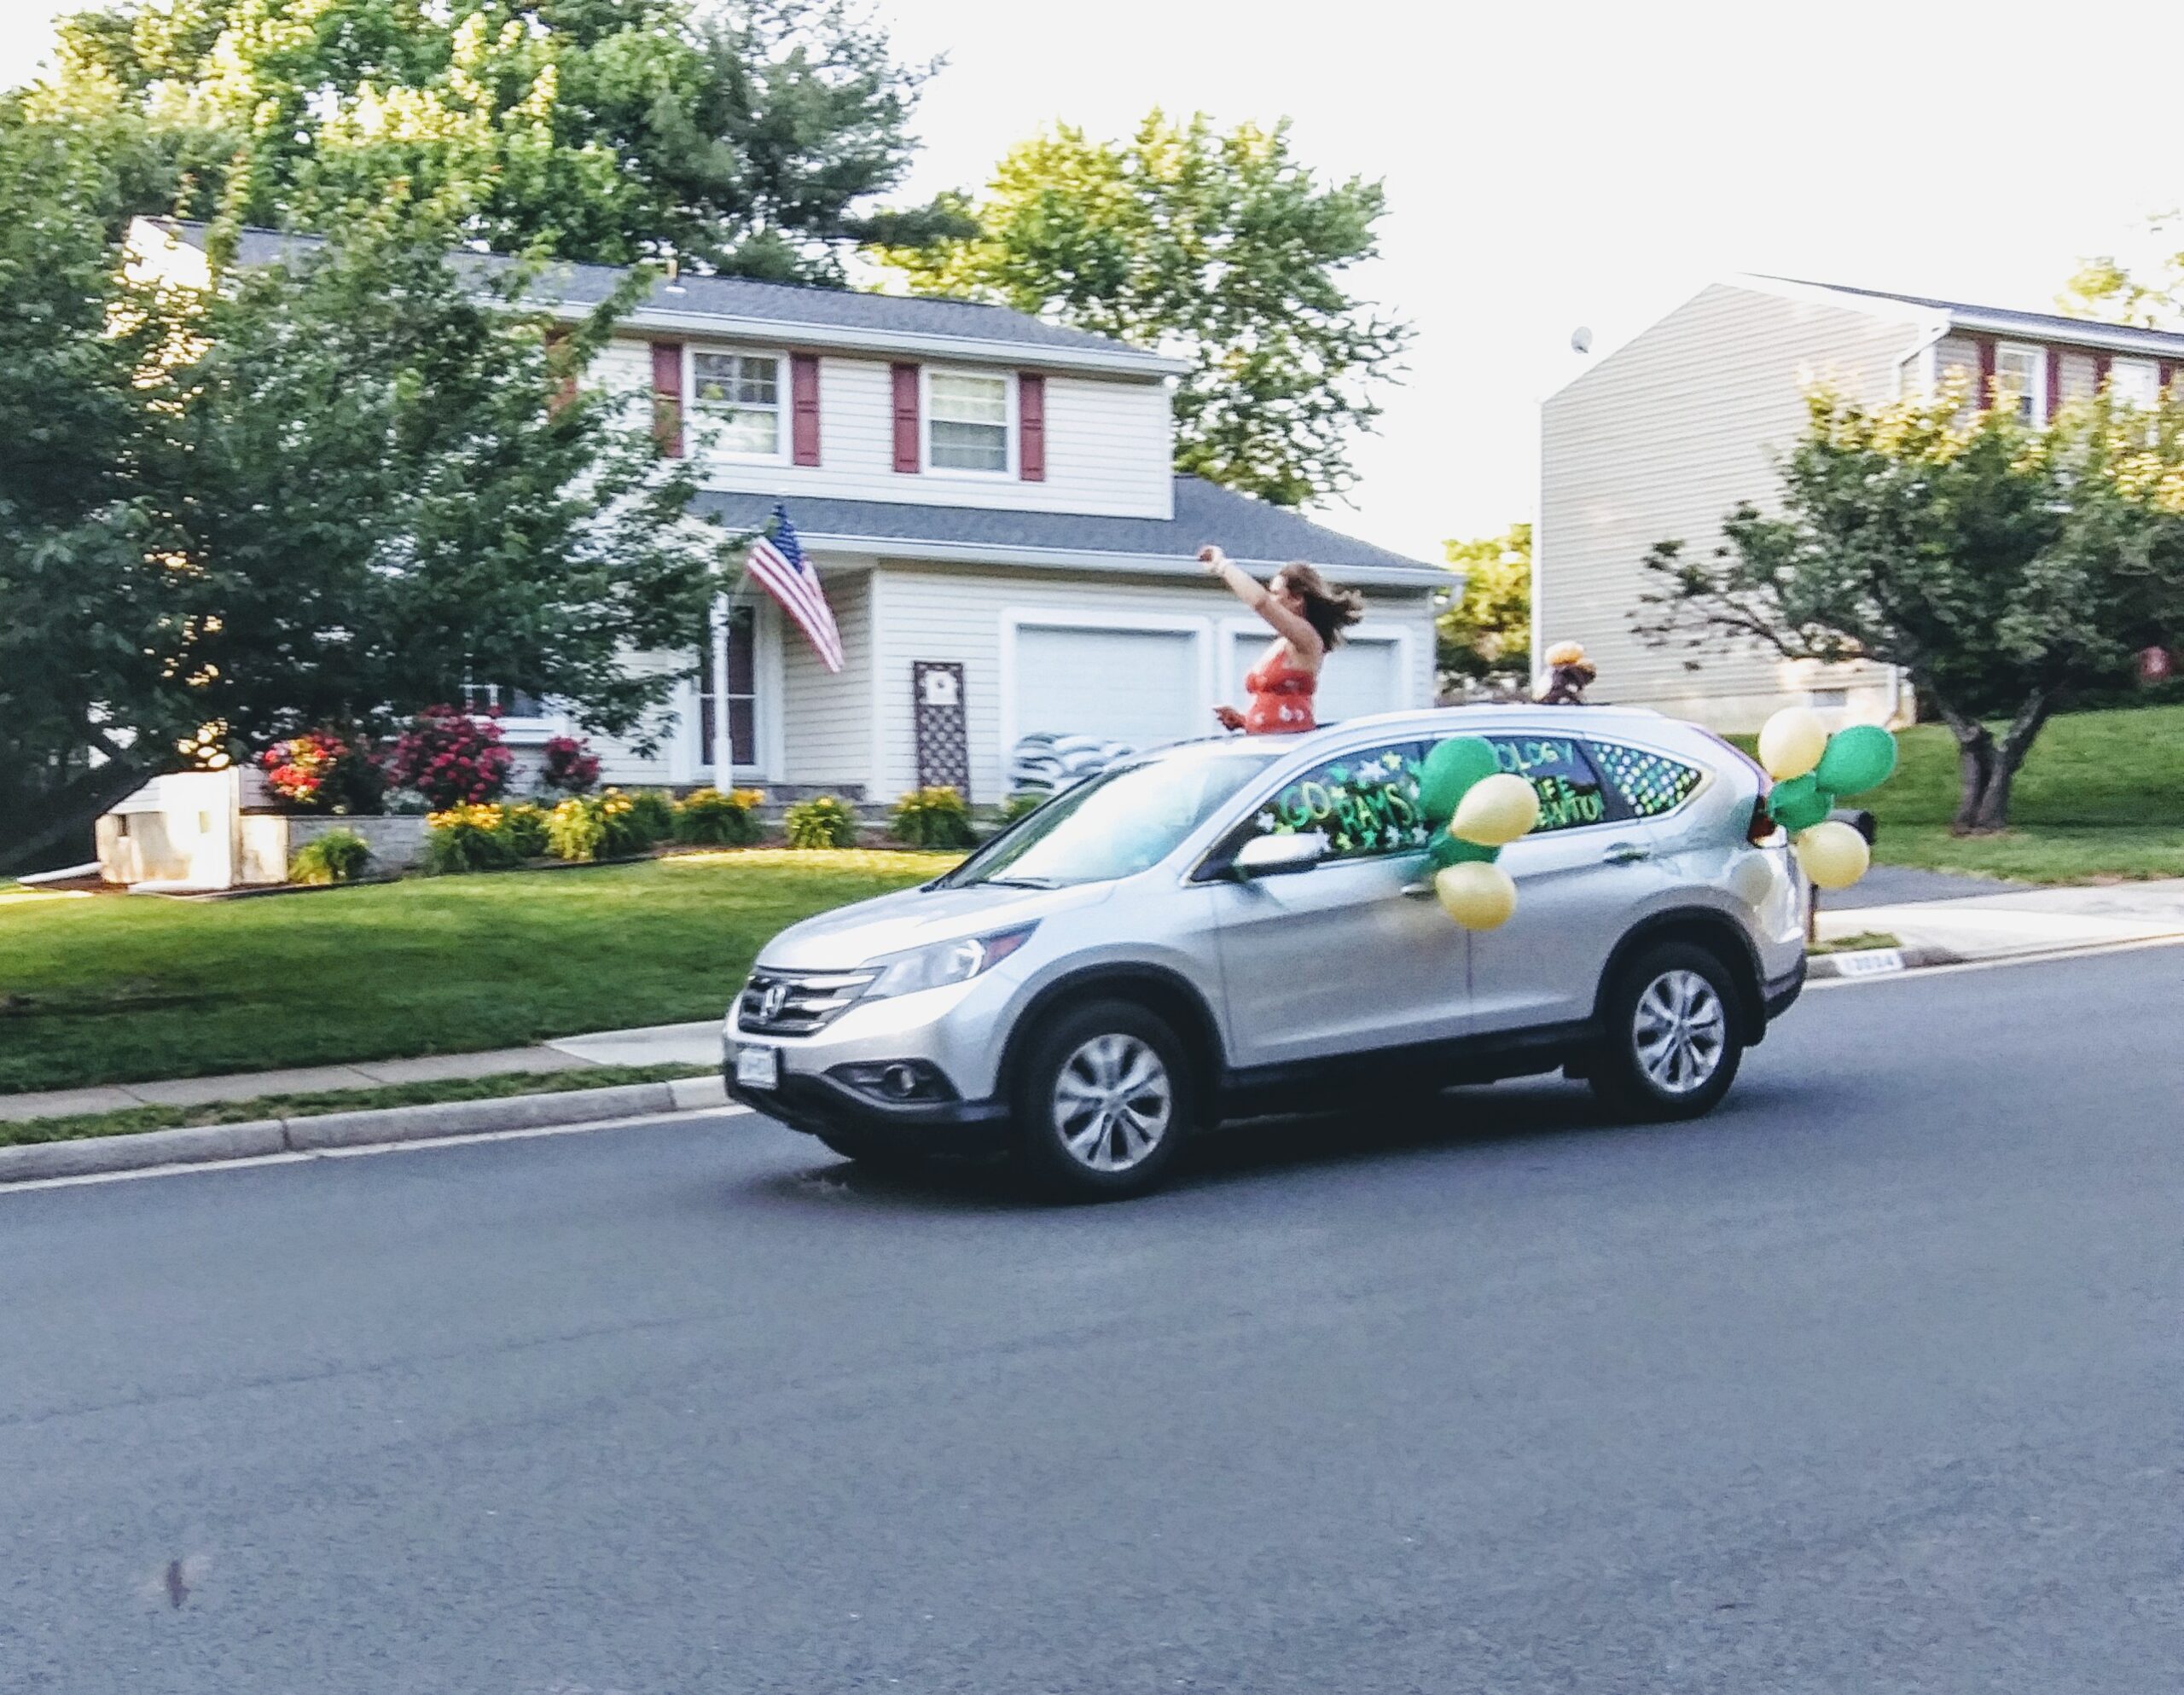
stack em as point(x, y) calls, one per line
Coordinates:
point(1109, 442)
point(1658, 441)
point(827, 717)
point(2135, 382)
point(943, 612)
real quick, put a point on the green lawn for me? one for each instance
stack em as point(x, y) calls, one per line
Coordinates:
point(121, 988)
point(2101, 797)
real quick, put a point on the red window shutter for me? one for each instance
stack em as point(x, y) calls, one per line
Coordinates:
point(908, 456)
point(1031, 426)
point(804, 402)
point(2164, 370)
point(667, 396)
point(1985, 397)
point(2054, 380)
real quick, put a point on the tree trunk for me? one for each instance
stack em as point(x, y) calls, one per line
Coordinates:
point(1987, 767)
point(2017, 742)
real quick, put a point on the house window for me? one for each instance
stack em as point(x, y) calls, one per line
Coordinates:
point(2135, 382)
point(967, 423)
point(481, 699)
point(740, 396)
point(2021, 371)
point(742, 692)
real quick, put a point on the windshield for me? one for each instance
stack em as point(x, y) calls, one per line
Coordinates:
point(1114, 824)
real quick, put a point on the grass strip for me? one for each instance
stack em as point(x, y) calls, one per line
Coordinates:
point(1863, 941)
point(131, 1120)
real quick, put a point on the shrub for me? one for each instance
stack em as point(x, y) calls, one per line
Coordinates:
point(451, 758)
point(649, 820)
point(1023, 803)
point(932, 818)
point(825, 821)
point(571, 767)
point(707, 817)
point(469, 838)
point(323, 771)
point(576, 829)
point(337, 857)
point(526, 827)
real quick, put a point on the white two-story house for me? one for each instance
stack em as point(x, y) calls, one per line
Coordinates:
point(983, 494)
point(1662, 438)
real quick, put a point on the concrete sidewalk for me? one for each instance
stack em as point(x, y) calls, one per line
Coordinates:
point(673, 1044)
point(2015, 924)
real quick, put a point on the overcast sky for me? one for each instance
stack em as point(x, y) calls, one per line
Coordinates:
point(1549, 166)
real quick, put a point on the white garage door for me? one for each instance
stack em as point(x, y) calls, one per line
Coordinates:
point(1136, 686)
point(1363, 675)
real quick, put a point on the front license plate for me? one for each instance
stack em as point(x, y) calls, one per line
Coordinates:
point(758, 1067)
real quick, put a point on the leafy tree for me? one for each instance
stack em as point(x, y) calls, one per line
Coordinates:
point(1220, 247)
point(1488, 630)
point(324, 492)
point(2002, 567)
point(741, 137)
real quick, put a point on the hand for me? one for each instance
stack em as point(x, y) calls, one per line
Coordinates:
point(1213, 559)
point(1230, 718)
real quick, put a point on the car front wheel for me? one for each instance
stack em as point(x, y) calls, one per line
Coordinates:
point(1104, 1101)
point(1671, 1048)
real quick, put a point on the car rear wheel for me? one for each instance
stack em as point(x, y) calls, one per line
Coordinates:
point(1103, 1100)
point(1671, 1048)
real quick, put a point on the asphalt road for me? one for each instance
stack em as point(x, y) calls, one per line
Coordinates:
point(1873, 1382)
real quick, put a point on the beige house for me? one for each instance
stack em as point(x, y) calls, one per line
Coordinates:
point(1662, 438)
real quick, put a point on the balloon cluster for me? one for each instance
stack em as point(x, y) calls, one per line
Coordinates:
point(1811, 769)
point(1476, 810)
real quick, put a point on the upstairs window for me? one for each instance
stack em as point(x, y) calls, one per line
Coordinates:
point(2021, 375)
point(740, 395)
point(967, 423)
point(2135, 382)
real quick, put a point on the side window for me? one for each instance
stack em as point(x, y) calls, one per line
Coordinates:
point(1570, 793)
point(1651, 784)
point(1366, 802)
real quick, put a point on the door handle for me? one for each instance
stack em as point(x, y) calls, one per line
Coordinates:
point(1627, 853)
point(1419, 891)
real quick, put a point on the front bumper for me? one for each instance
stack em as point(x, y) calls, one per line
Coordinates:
point(957, 1029)
point(818, 1104)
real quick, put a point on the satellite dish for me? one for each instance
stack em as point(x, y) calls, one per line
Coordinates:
point(1581, 339)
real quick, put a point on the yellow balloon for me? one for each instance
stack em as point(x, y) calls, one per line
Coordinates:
point(1495, 810)
point(1791, 743)
point(1835, 856)
point(1477, 895)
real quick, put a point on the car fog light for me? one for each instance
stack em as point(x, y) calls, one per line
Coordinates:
point(897, 1082)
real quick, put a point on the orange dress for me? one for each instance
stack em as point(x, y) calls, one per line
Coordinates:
point(1281, 697)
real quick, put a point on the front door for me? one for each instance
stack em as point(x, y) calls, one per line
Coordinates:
point(1354, 954)
point(1582, 876)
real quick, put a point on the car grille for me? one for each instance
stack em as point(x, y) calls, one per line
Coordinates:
point(808, 1001)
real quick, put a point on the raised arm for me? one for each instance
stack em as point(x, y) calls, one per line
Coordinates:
point(1246, 588)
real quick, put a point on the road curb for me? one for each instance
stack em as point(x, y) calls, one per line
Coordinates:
point(1878, 963)
point(212, 1144)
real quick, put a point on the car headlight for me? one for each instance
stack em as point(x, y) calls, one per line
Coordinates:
point(945, 962)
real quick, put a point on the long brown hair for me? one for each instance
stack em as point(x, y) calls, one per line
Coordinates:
point(1329, 610)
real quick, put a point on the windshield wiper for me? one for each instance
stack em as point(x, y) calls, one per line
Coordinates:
point(1020, 882)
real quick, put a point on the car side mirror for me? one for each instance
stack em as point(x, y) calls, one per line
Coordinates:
point(1279, 856)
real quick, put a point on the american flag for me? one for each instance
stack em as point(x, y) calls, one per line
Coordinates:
point(778, 565)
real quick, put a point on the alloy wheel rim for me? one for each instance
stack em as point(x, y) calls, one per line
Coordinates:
point(1113, 1102)
point(1682, 1031)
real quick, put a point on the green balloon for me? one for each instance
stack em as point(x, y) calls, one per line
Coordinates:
point(1452, 767)
point(1857, 760)
point(1799, 804)
point(1444, 850)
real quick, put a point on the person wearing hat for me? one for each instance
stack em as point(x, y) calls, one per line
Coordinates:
point(1568, 671)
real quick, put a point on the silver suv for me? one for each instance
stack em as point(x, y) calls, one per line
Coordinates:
point(1247, 926)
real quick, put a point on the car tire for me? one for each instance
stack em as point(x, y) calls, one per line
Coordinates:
point(1104, 1099)
point(1670, 1047)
